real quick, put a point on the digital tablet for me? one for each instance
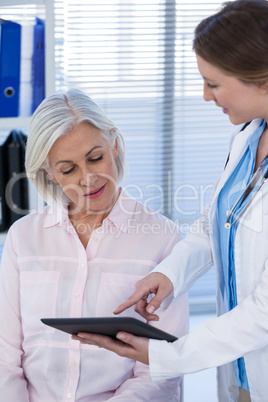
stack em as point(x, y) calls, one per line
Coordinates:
point(108, 326)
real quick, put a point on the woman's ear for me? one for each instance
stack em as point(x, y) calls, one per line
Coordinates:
point(51, 177)
point(115, 149)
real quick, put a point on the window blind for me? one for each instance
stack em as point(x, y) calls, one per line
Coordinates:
point(135, 59)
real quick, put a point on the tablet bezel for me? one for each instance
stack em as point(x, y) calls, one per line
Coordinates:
point(108, 326)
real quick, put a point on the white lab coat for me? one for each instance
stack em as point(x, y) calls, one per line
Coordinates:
point(242, 331)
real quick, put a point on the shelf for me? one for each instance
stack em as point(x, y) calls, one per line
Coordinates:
point(23, 122)
point(9, 3)
point(7, 124)
point(11, 123)
point(49, 37)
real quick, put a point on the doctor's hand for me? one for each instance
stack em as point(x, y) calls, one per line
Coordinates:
point(126, 345)
point(154, 283)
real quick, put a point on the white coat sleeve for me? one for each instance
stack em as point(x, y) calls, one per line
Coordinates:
point(12, 380)
point(190, 258)
point(216, 342)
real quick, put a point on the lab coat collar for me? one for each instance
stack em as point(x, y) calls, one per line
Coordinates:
point(237, 148)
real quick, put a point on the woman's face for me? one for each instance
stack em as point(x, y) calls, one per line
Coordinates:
point(242, 102)
point(83, 164)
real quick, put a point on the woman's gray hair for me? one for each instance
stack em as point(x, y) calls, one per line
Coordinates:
point(56, 116)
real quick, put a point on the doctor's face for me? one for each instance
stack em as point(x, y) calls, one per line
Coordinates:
point(241, 101)
point(83, 164)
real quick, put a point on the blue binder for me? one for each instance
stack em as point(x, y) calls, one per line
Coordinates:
point(38, 65)
point(10, 47)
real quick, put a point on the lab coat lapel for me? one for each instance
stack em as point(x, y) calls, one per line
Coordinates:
point(237, 149)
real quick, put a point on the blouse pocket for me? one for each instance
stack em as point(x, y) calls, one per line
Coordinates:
point(114, 290)
point(38, 300)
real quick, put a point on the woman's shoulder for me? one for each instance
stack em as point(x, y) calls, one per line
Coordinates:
point(140, 210)
point(34, 217)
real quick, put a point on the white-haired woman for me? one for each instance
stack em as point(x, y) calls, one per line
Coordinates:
point(78, 256)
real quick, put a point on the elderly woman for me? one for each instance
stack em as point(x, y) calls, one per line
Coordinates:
point(79, 256)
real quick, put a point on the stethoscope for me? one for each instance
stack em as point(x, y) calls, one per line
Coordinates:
point(230, 213)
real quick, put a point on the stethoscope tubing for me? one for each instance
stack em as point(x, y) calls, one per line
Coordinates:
point(229, 213)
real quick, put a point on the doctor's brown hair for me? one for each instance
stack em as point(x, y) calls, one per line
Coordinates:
point(235, 40)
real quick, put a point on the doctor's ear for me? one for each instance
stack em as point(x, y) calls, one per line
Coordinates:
point(263, 87)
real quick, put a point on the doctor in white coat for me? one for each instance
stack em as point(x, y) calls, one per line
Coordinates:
point(232, 55)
